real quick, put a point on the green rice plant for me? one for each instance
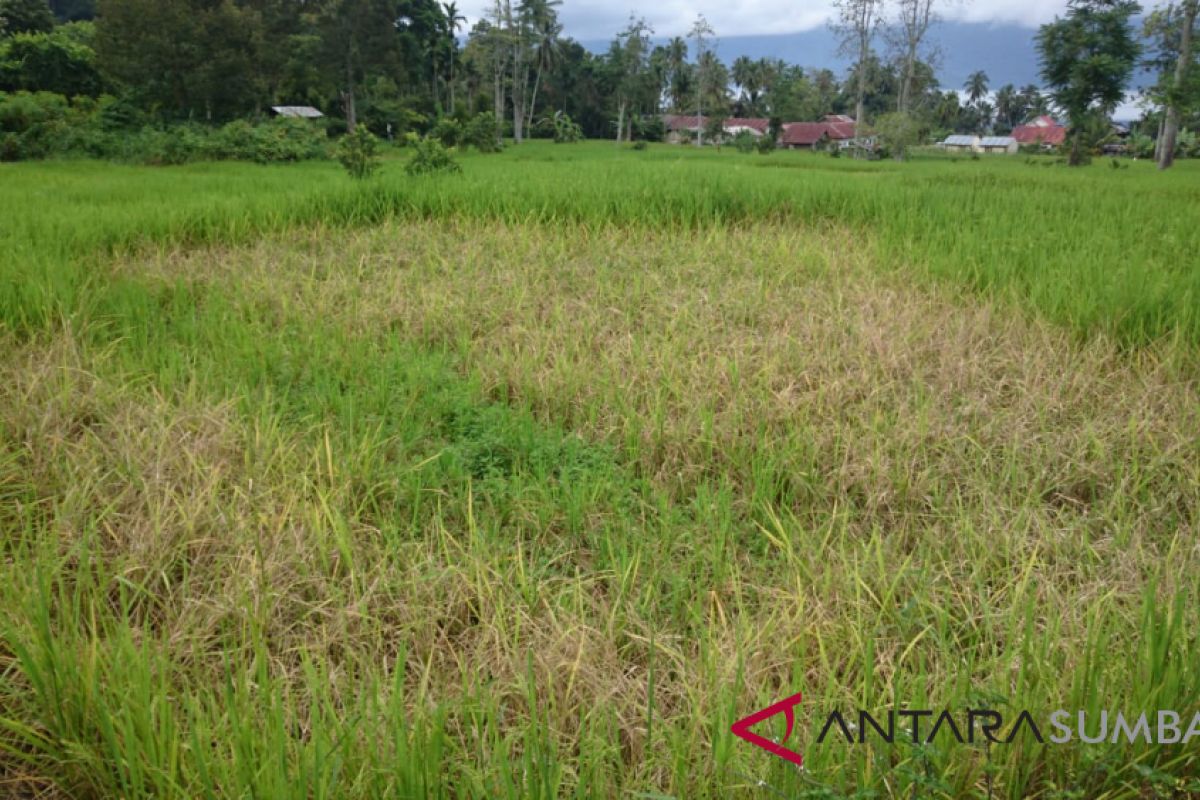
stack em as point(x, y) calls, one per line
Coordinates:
point(531, 482)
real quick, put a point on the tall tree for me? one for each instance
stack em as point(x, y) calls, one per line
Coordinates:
point(629, 57)
point(678, 72)
point(976, 87)
point(914, 18)
point(191, 58)
point(25, 16)
point(701, 35)
point(1179, 25)
point(1033, 102)
point(453, 23)
point(495, 40)
point(358, 36)
point(857, 23)
point(545, 29)
point(1008, 108)
point(746, 74)
point(1087, 58)
point(62, 62)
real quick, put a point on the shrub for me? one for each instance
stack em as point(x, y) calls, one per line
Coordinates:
point(358, 152)
point(897, 132)
point(447, 131)
point(651, 128)
point(744, 142)
point(765, 144)
point(274, 141)
point(31, 124)
point(429, 157)
point(640, 144)
point(1187, 144)
point(566, 130)
point(480, 133)
point(1140, 146)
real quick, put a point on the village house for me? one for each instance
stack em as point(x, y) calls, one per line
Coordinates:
point(683, 127)
point(996, 145)
point(999, 145)
point(1042, 132)
point(805, 136)
point(961, 143)
point(756, 127)
point(835, 130)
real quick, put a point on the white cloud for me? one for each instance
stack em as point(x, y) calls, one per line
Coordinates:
point(601, 19)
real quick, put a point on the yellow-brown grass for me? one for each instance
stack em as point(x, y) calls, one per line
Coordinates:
point(858, 466)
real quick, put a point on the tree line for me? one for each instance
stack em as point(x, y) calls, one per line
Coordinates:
point(400, 65)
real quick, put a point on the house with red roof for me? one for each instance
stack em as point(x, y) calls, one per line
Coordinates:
point(804, 136)
point(833, 130)
point(683, 127)
point(818, 135)
point(1043, 131)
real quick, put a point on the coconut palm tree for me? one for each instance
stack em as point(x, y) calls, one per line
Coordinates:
point(1008, 107)
point(454, 22)
point(976, 87)
point(546, 29)
point(677, 68)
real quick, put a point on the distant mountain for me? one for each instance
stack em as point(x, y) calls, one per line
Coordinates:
point(1006, 52)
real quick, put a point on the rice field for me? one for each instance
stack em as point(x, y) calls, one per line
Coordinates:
point(530, 481)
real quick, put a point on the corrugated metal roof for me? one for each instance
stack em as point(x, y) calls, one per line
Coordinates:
point(997, 141)
point(961, 141)
point(303, 112)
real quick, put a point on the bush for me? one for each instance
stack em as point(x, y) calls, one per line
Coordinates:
point(897, 132)
point(1140, 146)
point(275, 141)
point(31, 124)
point(429, 157)
point(566, 130)
point(448, 132)
point(41, 124)
point(765, 144)
point(480, 133)
point(175, 145)
point(640, 144)
point(358, 152)
point(1187, 144)
point(744, 142)
point(651, 128)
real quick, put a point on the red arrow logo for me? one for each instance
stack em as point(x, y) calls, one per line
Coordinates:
point(741, 729)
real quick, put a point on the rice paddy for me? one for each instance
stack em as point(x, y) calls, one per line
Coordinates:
point(528, 482)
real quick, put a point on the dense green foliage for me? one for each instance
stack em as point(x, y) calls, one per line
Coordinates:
point(397, 66)
point(41, 124)
point(1088, 57)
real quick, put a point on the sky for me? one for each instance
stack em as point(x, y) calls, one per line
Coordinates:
point(600, 19)
point(996, 36)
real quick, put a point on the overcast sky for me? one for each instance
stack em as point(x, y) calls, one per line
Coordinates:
point(601, 19)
